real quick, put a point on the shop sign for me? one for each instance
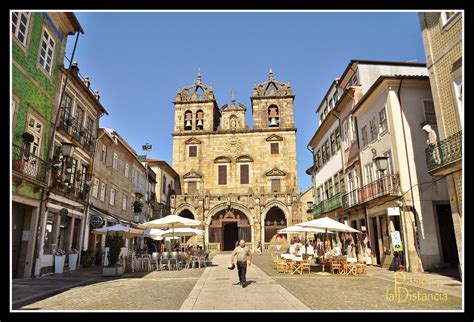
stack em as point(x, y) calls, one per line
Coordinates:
point(96, 221)
point(393, 211)
point(396, 241)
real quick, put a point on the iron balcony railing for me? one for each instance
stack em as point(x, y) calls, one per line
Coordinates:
point(444, 152)
point(28, 164)
point(70, 125)
point(388, 184)
point(327, 205)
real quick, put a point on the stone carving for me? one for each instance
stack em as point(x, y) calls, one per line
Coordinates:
point(234, 147)
point(275, 172)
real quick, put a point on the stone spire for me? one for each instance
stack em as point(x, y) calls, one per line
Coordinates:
point(198, 78)
point(233, 96)
point(270, 74)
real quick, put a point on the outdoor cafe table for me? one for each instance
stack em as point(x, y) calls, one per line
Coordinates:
point(296, 265)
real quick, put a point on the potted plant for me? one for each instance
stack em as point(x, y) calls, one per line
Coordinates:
point(137, 206)
point(73, 253)
point(59, 256)
point(87, 258)
point(114, 242)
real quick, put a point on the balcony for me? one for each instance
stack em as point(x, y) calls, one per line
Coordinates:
point(328, 205)
point(386, 186)
point(69, 125)
point(445, 156)
point(29, 166)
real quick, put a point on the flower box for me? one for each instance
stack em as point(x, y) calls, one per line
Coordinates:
point(59, 263)
point(72, 262)
point(113, 270)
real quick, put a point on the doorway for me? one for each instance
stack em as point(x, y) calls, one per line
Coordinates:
point(375, 239)
point(230, 235)
point(446, 235)
point(21, 217)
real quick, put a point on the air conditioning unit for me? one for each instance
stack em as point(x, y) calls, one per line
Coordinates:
point(273, 122)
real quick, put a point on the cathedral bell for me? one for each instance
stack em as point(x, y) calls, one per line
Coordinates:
point(187, 125)
point(273, 122)
point(199, 125)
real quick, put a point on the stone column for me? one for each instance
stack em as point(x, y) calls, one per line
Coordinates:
point(457, 217)
point(70, 232)
point(57, 224)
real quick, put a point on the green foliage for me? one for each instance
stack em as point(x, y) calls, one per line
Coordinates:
point(115, 242)
point(137, 206)
point(87, 258)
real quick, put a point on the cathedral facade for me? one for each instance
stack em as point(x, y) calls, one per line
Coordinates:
point(241, 182)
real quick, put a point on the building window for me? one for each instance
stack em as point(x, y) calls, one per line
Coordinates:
point(326, 152)
point(338, 138)
point(458, 92)
point(164, 186)
point(373, 129)
point(447, 16)
point(276, 186)
point(46, 51)
point(244, 174)
point(95, 190)
point(365, 137)
point(330, 191)
point(355, 80)
point(274, 148)
point(353, 129)
point(331, 103)
point(222, 174)
point(20, 22)
point(333, 142)
point(188, 120)
point(112, 197)
point(193, 151)
point(103, 157)
point(318, 159)
point(336, 184)
point(192, 187)
point(383, 120)
point(102, 192)
point(35, 127)
point(390, 163)
point(127, 169)
point(335, 97)
point(326, 190)
point(430, 114)
point(345, 134)
point(124, 202)
point(342, 187)
point(369, 174)
point(115, 161)
point(318, 195)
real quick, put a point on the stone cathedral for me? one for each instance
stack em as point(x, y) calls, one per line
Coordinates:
point(242, 182)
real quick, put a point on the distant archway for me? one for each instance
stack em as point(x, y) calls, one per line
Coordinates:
point(228, 226)
point(274, 221)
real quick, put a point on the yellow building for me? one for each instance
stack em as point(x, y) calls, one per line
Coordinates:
point(442, 39)
point(241, 182)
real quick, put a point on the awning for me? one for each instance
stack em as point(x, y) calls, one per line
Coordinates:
point(108, 216)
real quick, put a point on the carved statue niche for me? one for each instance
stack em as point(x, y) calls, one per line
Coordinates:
point(431, 142)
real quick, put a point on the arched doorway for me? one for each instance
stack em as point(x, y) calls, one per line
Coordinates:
point(274, 221)
point(227, 226)
point(186, 213)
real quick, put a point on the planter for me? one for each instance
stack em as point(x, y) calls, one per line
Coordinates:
point(113, 270)
point(59, 264)
point(72, 262)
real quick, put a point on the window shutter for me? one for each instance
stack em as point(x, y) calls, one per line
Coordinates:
point(274, 148)
point(275, 185)
point(193, 151)
point(222, 174)
point(244, 174)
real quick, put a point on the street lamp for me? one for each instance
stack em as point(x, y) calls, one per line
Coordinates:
point(381, 162)
point(67, 149)
point(146, 147)
point(309, 204)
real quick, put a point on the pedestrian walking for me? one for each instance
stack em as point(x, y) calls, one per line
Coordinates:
point(259, 247)
point(241, 256)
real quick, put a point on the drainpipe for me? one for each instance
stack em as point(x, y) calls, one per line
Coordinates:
point(409, 176)
point(313, 174)
point(45, 193)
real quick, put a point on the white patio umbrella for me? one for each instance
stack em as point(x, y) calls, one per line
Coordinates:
point(182, 232)
point(327, 223)
point(128, 232)
point(153, 232)
point(298, 229)
point(171, 220)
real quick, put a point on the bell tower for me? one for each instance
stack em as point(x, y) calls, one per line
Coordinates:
point(273, 105)
point(196, 108)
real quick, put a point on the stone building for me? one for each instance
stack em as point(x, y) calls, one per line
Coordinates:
point(241, 182)
point(38, 45)
point(442, 34)
point(167, 184)
point(118, 186)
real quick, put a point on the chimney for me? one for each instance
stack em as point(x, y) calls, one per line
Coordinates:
point(75, 68)
point(86, 81)
point(96, 94)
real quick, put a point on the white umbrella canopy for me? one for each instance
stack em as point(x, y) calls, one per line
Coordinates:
point(328, 223)
point(171, 220)
point(128, 232)
point(153, 232)
point(182, 232)
point(299, 229)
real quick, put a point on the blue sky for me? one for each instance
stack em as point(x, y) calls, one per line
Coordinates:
point(138, 61)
